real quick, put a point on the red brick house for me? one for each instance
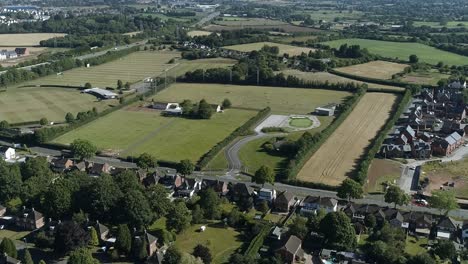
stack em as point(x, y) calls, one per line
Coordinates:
point(30, 219)
point(291, 251)
point(284, 201)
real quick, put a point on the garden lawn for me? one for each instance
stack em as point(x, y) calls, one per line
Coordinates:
point(281, 100)
point(129, 132)
point(32, 104)
point(283, 49)
point(221, 241)
point(415, 246)
point(132, 68)
point(402, 50)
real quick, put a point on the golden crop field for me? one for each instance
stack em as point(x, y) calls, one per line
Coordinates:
point(374, 69)
point(338, 155)
point(196, 33)
point(26, 39)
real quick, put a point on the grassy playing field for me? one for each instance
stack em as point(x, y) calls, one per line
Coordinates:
point(325, 76)
point(26, 39)
point(132, 68)
point(281, 100)
point(135, 130)
point(403, 50)
point(222, 241)
point(32, 104)
point(375, 69)
point(283, 49)
point(337, 156)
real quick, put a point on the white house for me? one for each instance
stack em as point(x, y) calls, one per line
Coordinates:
point(267, 195)
point(311, 204)
point(7, 153)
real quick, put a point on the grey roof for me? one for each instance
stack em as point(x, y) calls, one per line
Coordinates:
point(150, 238)
point(455, 136)
point(293, 246)
point(101, 229)
point(286, 196)
point(325, 201)
point(447, 222)
point(410, 130)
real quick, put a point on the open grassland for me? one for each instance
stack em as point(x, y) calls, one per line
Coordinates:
point(26, 39)
point(131, 68)
point(280, 100)
point(374, 69)
point(441, 173)
point(222, 241)
point(424, 77)
point(32, 104)
point(332, 78)
point(290, 39)
point(382, 171)
point(336, 158)
point(184, 66)
point(450, 24)
point(402, 50)
point(132, 132)
point(330, 15)
point(196, 33)
point(283, 49)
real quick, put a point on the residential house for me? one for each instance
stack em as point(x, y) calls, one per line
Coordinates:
point(457, 85)
point(278, 232)
point(5, 259)
point(311, 204)
point(102, 232)
point(240, 191)
point(30, 219)
point(2, 210)
point(446, 228)
point(395, 218)
point(7, 153)
point(172, 181)
point(62, 164)
point(291, 251)
point(419, 223)
point(22, 51)
point(151, 179)
point(447, 145)
point(11, 55)
point(189, 187)
point(152, 243)
point(284, 201)
point(97, 169)
point(82, 166)
point(220, 187)
point(268, 195)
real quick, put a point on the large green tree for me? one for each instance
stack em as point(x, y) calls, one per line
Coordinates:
point(8, 247)
point(10, 182)
point(298, 227)
point(157, 196)
point(205, 111)
point(186, 167)
point(123, 241)
point(210, 202)
point(26, 257)
point(349, 189)
point(83, 149)
point(135, 209)
point(444, 200)
point(396, 196)
point(203, 252)
point(445, 249)
point(82, 255)
point(179, 217)
point(146, 161)
point(70, 236)
point(338, 232)
point(101, 198)
point(57, 200)
point(264, 175)
point(172, 256)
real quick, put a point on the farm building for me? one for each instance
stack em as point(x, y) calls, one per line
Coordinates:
point(101, 93)
point(328, 110)
point(22, 51)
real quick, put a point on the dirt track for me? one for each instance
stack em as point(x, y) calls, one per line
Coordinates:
point(337, 156)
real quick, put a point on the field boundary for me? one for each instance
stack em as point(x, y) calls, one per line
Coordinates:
point(367, 79)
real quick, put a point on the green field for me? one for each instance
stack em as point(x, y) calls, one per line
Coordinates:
point(135, 130)
point(301, 122)
point(283, 49)
point(424, 77)
point(221, 241)
point(132, 68)
point(450, 24)
point(402, 50)
point(32, 104)
point(240, 21)
point(281, 100)
point(325, 76)
point(191, 65)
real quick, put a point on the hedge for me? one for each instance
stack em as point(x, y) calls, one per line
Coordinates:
point(367, 79)
point(257, 242)
point(303, 155)
point(363, 165)
point(242, 130)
